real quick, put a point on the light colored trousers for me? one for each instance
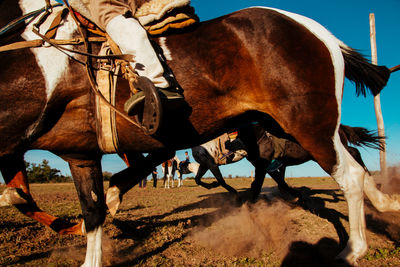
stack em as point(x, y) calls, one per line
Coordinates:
point(130, 36)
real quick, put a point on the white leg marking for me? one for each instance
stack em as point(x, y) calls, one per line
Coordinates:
point(93, 248)
point(94, 196)
point(83, 228)
point(350, 177)
point(10, 197)
point(52, 62)
point(113, 200)
point(4, 202)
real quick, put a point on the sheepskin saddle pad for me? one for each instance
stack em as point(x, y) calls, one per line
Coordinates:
point(157, 16)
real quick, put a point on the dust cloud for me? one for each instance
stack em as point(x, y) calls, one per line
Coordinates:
point(68, 254)
point(72, 254)
point(251, 230)
point(391, 184)
point(387, 222)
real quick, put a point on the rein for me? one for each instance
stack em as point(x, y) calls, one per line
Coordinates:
point(25, 17)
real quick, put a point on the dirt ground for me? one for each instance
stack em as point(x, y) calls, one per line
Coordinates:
point(193, 226)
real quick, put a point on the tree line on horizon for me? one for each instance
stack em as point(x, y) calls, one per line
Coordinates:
point(44, 173)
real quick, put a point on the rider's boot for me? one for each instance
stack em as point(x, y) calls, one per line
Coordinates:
point(132, 39)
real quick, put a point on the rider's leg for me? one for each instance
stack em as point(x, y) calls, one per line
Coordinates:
point(132, 39)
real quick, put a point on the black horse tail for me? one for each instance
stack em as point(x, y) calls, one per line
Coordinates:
point(359, 136)
point(363, 73)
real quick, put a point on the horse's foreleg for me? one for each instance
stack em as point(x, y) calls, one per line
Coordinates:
point(202, 170)
point(170, 175)
point(166, 181)
point(217, 173)
point(18, 194)
point(350, 177)
point(259, 176)
point(138, 167)
point(279, 178)
point(180, 177)
point(88, 181)
point(123, 181)
point(169, 181)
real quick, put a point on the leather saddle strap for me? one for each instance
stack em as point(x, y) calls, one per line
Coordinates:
point(105, 117)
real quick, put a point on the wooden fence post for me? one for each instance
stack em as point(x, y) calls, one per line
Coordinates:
point(377, 98)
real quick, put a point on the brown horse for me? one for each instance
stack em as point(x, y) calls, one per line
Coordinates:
point(258, 64)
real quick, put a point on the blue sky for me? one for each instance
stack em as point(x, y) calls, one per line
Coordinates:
point(348, 21)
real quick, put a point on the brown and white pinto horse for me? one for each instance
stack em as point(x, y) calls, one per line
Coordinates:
point(258, 64)
point(191, 167)
point(169, 167)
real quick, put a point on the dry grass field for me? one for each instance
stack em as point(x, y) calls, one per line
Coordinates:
point(193, 226)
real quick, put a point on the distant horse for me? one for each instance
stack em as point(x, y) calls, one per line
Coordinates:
point(191, 167)
point(257, 145)
point(169, 167)
point(280, 69)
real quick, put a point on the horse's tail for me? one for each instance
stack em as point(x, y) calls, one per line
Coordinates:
point(363, 73)
point(359, 136)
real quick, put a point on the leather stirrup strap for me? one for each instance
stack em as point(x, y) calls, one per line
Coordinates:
point(51, 32)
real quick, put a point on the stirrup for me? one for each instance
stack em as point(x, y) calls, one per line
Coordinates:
point(151, 117)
